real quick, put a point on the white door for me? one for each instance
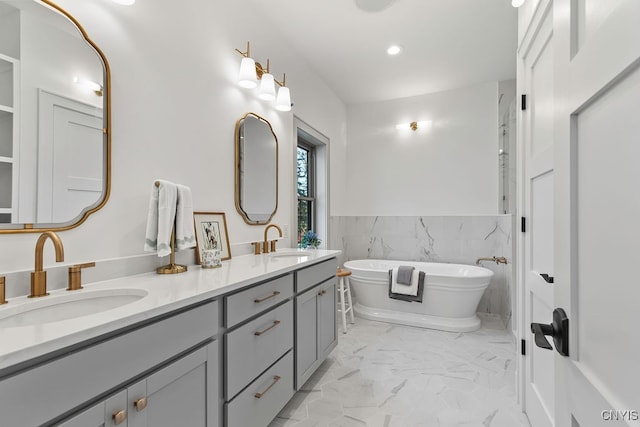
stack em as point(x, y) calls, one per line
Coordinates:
point(536, 82)
point(70, 158)
point(597, 210)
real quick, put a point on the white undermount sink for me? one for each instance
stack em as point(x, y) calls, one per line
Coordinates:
point(67, 305)
point(291, 253)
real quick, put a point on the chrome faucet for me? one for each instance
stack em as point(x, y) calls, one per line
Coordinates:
point(265, 243)
point(39, 277)
point(496, 259)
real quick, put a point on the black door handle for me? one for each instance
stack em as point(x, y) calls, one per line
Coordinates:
point(539, 330)
point(546, 277)
point(558, 329)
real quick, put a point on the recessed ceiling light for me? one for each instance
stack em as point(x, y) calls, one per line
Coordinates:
point(394, 49)
point(373, 5)
point(124, 2)
point(517, 3)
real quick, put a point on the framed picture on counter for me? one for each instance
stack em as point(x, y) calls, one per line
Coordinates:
point(211, 233)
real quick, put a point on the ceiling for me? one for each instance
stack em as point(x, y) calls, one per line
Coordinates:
point(446, 44)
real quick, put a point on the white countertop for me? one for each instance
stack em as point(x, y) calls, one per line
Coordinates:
point(165, 293)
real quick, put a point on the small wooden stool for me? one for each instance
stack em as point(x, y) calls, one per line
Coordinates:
point(344, 288)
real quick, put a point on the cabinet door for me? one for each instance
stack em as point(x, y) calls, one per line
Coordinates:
point(183, 393)
point(108, 413)
point(306, 335)
point(327, 326)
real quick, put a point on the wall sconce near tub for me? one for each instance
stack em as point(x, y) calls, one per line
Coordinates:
point(251, 72)
point(414, 126)
point(95, 87)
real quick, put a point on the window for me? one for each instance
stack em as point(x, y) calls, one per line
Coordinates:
point(306, 188)
point(312, 182)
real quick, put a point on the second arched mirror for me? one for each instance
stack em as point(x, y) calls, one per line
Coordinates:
point(256, 169)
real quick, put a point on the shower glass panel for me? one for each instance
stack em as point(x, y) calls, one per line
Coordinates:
point(507, 160)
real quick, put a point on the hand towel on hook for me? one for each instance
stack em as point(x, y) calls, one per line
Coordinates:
point(161, 218)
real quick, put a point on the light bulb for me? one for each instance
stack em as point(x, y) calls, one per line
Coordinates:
point(283, 102)
point(267, 88)
point(394, 50)
point(247, 77)
point(90, 85)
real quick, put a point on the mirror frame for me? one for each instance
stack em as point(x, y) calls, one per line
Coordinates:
point(237, 169)
point(82, 217)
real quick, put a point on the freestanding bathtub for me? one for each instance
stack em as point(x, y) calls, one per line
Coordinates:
point(450, 299)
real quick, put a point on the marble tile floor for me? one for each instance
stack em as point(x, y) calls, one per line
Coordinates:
point(390, 375)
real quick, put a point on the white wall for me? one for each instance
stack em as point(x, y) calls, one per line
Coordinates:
point(449, 168)
point(175, 104)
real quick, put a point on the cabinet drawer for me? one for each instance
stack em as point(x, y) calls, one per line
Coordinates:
point(253, 347)
point(252, 301)
point(310, 276)
point(65, 383)
point(275, 388)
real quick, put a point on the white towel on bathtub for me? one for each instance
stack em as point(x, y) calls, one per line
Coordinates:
point(411, 289)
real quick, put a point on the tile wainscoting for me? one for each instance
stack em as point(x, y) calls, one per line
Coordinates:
point(450, 239)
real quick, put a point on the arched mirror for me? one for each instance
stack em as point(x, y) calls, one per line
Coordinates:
point(256, 169)
point(54, 119)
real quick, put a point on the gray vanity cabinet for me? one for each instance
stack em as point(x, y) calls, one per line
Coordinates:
point(258, 352)
point(316, 327)
point(69, 389)
point(175, 395)
point(207, 365)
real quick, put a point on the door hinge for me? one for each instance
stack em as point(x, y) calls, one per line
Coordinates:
point(523, 102)
point(523, 347)
point(523, 224)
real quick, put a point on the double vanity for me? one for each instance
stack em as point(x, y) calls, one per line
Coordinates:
point(209, 347)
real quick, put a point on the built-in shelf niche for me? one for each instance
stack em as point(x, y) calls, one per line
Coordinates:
point(6, 83)
point(9, 75)
point(6, 179)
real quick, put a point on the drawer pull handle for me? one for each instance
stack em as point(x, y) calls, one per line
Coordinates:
point(322, 292)
point(259, 300)
point(140, 404)
point(275, 323)
point(119, 417)
point(275, 380)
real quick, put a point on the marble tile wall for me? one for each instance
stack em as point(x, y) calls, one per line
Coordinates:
point(450, 239)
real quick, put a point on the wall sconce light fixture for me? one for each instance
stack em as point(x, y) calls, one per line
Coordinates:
point(251, 72)
point(414, 126)
point(95, 87)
